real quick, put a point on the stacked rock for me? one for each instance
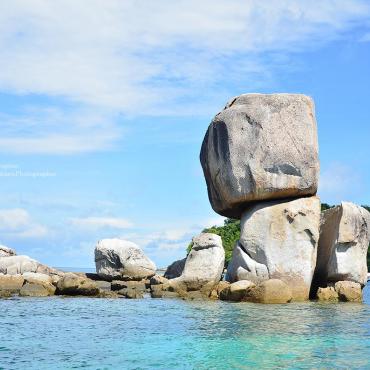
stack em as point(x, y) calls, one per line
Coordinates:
point(260, 162)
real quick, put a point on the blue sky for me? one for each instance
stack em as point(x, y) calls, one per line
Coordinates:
point(103, 109)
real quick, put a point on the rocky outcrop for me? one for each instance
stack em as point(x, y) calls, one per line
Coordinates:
point(343, 245)
point(175, 269)
point(278, 241)
point(72, 284)
point(122, 260)
point(269, 291)
point(6, 251)
point(236, 291)
point(204, 264)
point(349, 291)
point(10, 284)
point(34, 290)
point(260, 147)
point(328, 294)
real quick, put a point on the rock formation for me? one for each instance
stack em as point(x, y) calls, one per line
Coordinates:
point(6, 251)
point(343, 245)
point(260, 147)
point(122, 260)
point(175, 269)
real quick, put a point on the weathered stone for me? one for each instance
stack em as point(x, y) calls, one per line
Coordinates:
point(6, 251)
point(122, 260)
point(278, 241)
point(204, 264)
point(327, 294)
point(270, 291)
point(71, 284)
point(243, 267)
point(349, 291)
point(131, 293)
point(221, 286)
point(44, 280)
point(157, 279)
point(343, 245)
point(236, 291)
point(103, 285)
point(175, 269)
point(34, 290)
point(10, 284)
point(260, 147)
point(119, 284)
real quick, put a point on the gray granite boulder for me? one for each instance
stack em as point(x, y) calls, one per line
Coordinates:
point(283, 237)
point(260, 147)
point(118, 259)
point(175, 269)
point(343, 244)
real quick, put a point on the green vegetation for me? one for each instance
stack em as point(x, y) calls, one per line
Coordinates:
point(230, 234)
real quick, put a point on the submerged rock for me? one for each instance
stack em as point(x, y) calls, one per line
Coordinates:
point(343, 245)
point(175, 269)
point(122, 260)
point(270, 291)
point(260, 147)
point(6, 251)
point(278, 241)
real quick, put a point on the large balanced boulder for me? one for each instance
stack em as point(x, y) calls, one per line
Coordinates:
point(6, 251)
point(283, 237)
point(118, 259)
point(260, 147)
point(204, 264)
point(343, 245)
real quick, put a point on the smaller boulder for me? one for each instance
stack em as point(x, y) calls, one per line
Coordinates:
point(71, 284)
point(117, 259)
point(175, 269)
point(44, 280)
point(10, 284)
point(6, 251)
point(157, 280)
point(34, 290)
point(237, 291)
point(270, 291)
point(216, 292)
point(327, 294)
point(349, 291)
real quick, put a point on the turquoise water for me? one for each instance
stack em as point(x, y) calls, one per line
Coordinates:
point(74, 333)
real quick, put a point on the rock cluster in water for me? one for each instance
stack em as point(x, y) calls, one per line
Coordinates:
point(260, 161)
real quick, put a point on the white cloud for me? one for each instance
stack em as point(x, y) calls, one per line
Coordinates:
point(17, 223)
point(142, 57)
point(95, 223)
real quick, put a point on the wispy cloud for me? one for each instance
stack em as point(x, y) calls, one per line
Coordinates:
point(95, 223)
point(141, 57)
point(17, 223)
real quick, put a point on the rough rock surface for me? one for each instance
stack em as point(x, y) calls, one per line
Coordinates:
point(260, 147)
point(327, 294)
point(175, 269)
point(34, 290)
point(204, 264)
point(349, 291)
point(6, 251)
point(270, 291)
point(236, 291)
point(10, 284)
point(72, 284)
point(44, 280)
point(122, 260)
point(279, 239)
point(343, 245)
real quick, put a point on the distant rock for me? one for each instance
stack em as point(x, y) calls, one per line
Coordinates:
point(278, 241)
point(175, 269)
point(204, 264)
point(6, 251)
point(260, 147)
point(270, 291)
point(122, 260)
point(343, 245)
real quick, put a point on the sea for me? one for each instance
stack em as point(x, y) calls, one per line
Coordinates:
point(91, 333)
